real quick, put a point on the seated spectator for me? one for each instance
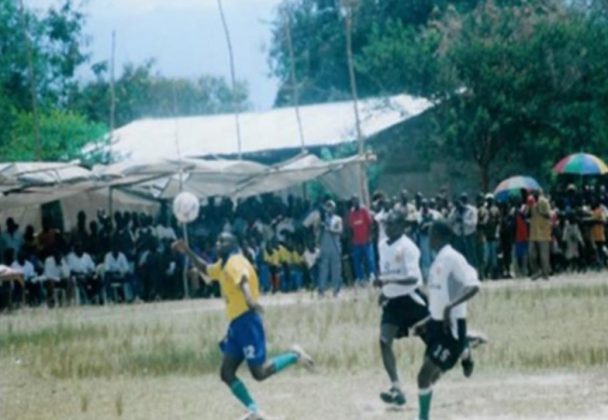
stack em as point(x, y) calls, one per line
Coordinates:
point(57, 276)
point(151, 270)
point(83, 271)
point(33, 287)
point(12, 291)
point(116, 269)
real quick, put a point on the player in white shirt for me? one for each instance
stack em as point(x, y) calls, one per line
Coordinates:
point(452, 282)
point(403, 306)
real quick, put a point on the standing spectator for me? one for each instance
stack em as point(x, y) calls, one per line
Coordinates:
point(426, 217)
point(507, 240)
point(573, 242)
point(79, 233)
point(522, 236)
point(12, 238)
point(311, 256)
point(30, 245)
point(47, 239)
point(598, 233)
point(360, 224)
point(330, 259)
point(540, 237)
point(463, 220)
point(490, 234)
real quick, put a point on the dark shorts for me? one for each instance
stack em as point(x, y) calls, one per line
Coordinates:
point(404, 312)
point(442, 348)
point(246, 339)
point(521, 249)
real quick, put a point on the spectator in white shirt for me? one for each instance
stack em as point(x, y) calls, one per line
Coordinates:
point(32, 283)
point(116, 269)
point(83, 270)
point(57, 276)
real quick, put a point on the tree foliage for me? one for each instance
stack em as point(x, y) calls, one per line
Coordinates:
point(63, 137)
point(141, 91)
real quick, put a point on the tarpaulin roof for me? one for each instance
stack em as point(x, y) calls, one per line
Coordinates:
point(323, 124)
point(28, 184)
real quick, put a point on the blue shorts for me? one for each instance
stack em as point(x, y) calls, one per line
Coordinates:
point(246, 339)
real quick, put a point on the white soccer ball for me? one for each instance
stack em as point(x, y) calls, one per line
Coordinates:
point(186, 207)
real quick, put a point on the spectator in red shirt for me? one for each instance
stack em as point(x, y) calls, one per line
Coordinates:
point(360, 224)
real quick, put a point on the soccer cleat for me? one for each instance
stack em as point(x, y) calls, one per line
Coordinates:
point(476, 339)
point(393, 396)
point(468, 365)
point(304, 358)
point(253, 415)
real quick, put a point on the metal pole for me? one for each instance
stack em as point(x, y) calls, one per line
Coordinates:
point(233, 77)
point(348, 6)
point(185, 271)
point(32, 80)
point(292, 74)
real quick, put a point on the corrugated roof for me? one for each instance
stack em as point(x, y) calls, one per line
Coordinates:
point(324, 124)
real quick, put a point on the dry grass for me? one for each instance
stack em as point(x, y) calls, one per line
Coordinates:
point(96, 357)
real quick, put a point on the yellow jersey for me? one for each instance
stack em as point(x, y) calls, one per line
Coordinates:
point(229, 276)
point(297, 258)
point(272, 258)
point(284, 255)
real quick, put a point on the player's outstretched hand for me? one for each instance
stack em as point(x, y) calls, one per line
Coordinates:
point(180, 246)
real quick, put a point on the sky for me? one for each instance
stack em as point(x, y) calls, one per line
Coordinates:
point(185, 37)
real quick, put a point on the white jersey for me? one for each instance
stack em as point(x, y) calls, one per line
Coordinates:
point(449, 273)
point(399, 261)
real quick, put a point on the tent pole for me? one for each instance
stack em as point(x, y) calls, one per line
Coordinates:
point(348, 10)
point(185, 271)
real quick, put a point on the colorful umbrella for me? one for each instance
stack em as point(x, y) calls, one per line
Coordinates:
point(511, 187)
point(581, 164)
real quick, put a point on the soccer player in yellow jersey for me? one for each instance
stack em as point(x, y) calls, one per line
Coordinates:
point(245, 339)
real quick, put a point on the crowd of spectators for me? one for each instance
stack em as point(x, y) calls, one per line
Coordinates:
point(295, 244)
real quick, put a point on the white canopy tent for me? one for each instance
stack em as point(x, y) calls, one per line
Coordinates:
point(214, 135)
point(141, 185)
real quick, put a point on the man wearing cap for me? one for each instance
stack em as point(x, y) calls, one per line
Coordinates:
point(330, 258)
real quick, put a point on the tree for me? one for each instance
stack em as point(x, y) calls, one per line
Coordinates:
point(56, 44)
point(141, 91)
point(63, 135)
point(319, 44)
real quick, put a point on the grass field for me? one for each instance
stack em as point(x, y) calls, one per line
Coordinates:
point(548, 358)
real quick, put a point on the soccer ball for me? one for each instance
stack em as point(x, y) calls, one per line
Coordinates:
point(185, 207)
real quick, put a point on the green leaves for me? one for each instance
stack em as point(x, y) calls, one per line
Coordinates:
point(62, 134)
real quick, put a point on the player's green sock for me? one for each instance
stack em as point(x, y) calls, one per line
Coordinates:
point(424, 401)
point(240, 391)
point(284, 360)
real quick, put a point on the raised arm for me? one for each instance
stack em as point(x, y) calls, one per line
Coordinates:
point(182, 247)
